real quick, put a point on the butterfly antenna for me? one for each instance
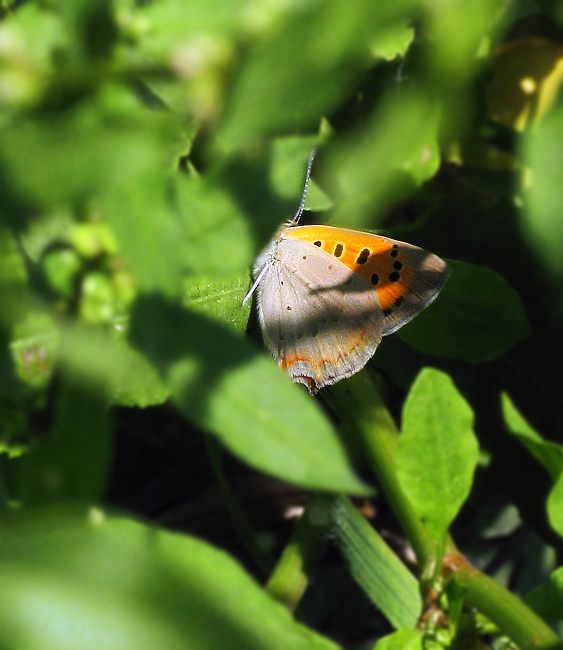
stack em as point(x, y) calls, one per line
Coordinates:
point(256, 283)
point(292, 222)
point(295, 219)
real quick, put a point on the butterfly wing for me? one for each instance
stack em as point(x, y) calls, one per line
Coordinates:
point(423, 276)
point(406, 278)
point(321, 321)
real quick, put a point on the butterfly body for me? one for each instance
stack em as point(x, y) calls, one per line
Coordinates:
point(327, 295)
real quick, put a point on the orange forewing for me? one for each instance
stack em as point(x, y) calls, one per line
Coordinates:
point(379, 260)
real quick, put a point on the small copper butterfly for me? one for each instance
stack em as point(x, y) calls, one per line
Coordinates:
point(327, 295)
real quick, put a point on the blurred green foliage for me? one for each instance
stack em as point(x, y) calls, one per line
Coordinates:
point(148, 150)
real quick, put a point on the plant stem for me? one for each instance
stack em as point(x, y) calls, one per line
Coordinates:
point(363, 410)
point(503, 608)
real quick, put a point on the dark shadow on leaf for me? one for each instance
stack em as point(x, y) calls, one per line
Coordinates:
point(168, 334)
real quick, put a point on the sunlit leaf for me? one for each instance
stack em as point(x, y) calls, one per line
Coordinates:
point(401, 640)
point(542, 216)
point(375, 567)
point(115, 583)
point(438, 450)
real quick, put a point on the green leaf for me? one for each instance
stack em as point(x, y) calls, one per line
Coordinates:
point(220, 382)
point(397, 151)
point(91, 25)
point(477, 318)
point(549, 454)
point(150, 237)
point(52, 160)
point(394, 42)
point(374, 566)
point(516, 422)
point(38, 32)
point(555, 506)
point(547, 599)
point(438, 451)
point(73, 462)
point(217, 238)
point(172, 25)
point(220, 299)
point(118, 584)
point(287, 165)
point(401, 640)
point(542, 218)
point(331, 43)
point(109, 364)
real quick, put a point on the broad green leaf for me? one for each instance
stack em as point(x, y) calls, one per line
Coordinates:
point(217, 240)
point(374, 566)
point(549, 454)
point(547, 599)
point(220, 299)
point(438, 451)
point(317, 200)
point(542, 217)
point(137, 383)
point(104, 584)
point(220, 382)
point(476, 318)
point(109, 364)
point(96, 356)
point(401, 640)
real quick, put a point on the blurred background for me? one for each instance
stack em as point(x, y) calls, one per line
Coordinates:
point(148, 150)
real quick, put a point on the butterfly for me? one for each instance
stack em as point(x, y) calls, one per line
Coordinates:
point(326, 295)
